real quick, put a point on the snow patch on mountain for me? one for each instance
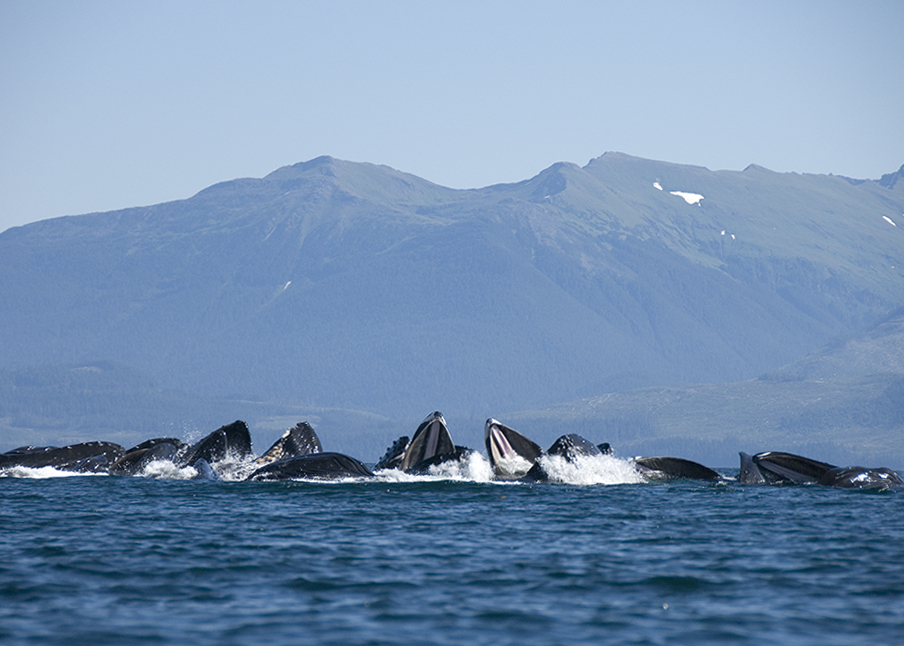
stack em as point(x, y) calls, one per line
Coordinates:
point(690, 198)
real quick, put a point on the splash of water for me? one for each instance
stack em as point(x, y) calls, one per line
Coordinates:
point(233, 469)
point(514, 465)
point(472, 468)
point(39, 473)
point(165, 469)
point(589, 470)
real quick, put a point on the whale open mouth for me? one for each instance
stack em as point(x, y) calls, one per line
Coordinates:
point(511, 454)
point(501, 449)
point(778, 466)
point(432, 438)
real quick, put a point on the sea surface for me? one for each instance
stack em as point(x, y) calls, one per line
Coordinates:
point(446, 559)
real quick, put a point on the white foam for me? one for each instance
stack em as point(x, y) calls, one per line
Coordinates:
point(589, 470)
point(514, 465)
point(657, 186)
point(40, 473)
point(166, 470)
point(690, 198)
point(233, 470)
point(397, 475)
point(889, 220)
point(228, 469)
point(474, 468)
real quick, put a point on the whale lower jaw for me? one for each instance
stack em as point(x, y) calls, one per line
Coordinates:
point(511, 454)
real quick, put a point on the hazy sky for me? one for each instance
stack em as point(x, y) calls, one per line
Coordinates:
point(105, 105)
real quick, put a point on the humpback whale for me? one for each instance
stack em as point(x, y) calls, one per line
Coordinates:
point(750, 472)
point(432, 438)
point(431, 445)
point(232, 440)
point(514, 457)
point(99, 463)
point(138, 457)
point(571, 447)
point(788, 466)
point(511, 454)
point(663, 468)
point(392, 457)
point(87, 457)
point(774, 467)
point(296, 454)
point(313, 466)
point(296, 441)
point(861, 478)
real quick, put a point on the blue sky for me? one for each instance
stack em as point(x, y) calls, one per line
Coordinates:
point(106, 105)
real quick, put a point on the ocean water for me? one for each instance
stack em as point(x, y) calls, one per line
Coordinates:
point(446, 559)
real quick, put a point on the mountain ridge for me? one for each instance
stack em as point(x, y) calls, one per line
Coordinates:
point(355, 286)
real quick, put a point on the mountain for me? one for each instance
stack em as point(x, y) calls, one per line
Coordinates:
point(875, 351)
point(890, 180)
point(339, 285)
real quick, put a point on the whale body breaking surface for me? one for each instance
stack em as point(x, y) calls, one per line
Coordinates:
point(226, 454)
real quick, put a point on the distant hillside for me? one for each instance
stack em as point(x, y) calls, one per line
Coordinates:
point(842, 421)
point(58, 405)
point(339, 285)
point(878, 350)
point(808, 407)
point(843, 404)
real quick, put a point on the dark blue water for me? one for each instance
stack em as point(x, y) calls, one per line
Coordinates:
point(118, 560)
